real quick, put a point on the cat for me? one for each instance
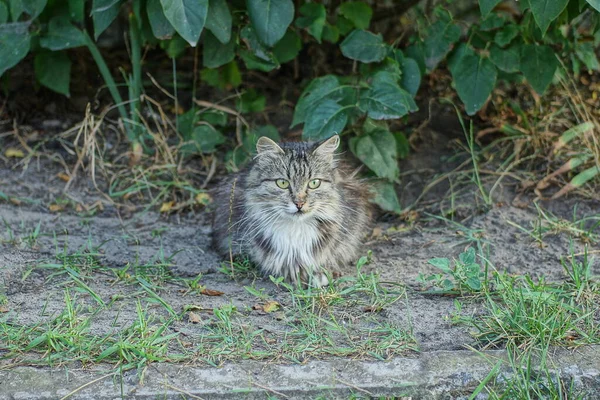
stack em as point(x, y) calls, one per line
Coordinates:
point(293, 211)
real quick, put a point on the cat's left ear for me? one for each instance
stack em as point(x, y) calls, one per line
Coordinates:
point(328, 147)
point(265, 145)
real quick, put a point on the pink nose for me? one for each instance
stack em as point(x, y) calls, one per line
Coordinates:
point(299, 204)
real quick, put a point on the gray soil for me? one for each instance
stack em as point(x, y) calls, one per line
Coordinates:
point(400, 253)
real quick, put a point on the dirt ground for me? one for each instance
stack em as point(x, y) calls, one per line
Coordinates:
point(400, 253)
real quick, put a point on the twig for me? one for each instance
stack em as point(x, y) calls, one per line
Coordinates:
point(355, 387)
point(182, 391)
point(86, 385)
point(268, 389)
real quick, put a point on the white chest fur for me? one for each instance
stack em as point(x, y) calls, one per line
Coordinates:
point(293, 241)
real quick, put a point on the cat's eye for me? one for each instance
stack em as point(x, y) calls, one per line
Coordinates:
point(282, 183)
point(315, 183)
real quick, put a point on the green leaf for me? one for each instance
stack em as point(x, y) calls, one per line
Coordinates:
point(506, 34)
point(486, 6)
point(402, 145)
point(14, 44)
point(595, 4)
point(331, 33)
point(251, 101)
point(467, 257)
point(175, 46)
point(441, 263)
point(343, 25)
point(377, 150)
point(492, 22)
point(538, 65)
point(270, 18)
point(385, 99)
point(313, 19)
point(364, 46)
point(214, 117)
point(3, 13)
point(215, 53)
point(474, 283)
point(62, 34)
point(288, 47)
point(385, 196)
point(248, 35)
point(325, 87)
point(104, 13)
point(53, 70)
point(440, 38)
point(411, 76)
point(33, 8)
point(475, 78)
point(324, 120)
point(507, 60)
point(77, 10)
point(161, 27)
point(218, 20)
point(187, 17)
point(206, 138)
point(546, 11)
point(416, 52)
point(587, 54)
point(254, 62)
point(358, 13)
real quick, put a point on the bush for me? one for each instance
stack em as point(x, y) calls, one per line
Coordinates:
point(509, 41)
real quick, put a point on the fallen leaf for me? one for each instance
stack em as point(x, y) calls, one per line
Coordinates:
point(210, 292)
point(63, 176)
point(56, 207)
point(203, 198)
point(271, 306)
point(193, 317)
point(377, 232)
point(14, 153)
point(3, 309)
point(15, 201)
point(167, 206)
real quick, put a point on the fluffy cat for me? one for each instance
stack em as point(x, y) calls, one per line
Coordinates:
point(292, 211)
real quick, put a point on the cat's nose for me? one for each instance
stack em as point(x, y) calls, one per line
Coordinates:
point(299, 204)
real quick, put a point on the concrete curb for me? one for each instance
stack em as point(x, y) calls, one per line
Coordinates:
point(431, 375)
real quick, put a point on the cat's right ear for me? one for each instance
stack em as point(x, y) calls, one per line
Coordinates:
point(266, 145)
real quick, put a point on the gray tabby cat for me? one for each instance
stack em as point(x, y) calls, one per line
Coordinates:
point(293, 211)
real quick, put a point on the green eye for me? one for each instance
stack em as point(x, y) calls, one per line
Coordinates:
point(315, 183)
point(282, 183)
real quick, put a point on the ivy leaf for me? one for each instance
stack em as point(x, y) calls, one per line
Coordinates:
point(595, 4)
point(187, 17)
point(507, 60)
point(546, 11)
point(377, 150)
point(218, 20)
point(475, 78)
point(62, 34)
point(77, 10)
point(385, 99)
point(538, 65)
point(288, 47)
point(161, 27)
point(251, 101)
point(357, 12)
point(411, 76)
point(206, 138)
point(3, 13)
point(53, 70)
point(385, 196)
point(104, 13)
point(486, 6)
point(586, 53)
point(325, 87)
point(270, 18)
point(32, 7)
point(326, 119)
point(364, 46)
point(506, 34)
point(441, 36)
point(313, 19)
point(257, 63)
point(14, 44)
point(215, 53)
point(331, 33)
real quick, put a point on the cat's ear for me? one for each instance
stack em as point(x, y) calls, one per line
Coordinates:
point(328, 147)
point(265, 145)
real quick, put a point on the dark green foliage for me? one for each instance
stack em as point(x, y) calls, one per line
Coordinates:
point(383, 73)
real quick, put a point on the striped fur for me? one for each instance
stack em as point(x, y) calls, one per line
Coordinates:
point(255, 217)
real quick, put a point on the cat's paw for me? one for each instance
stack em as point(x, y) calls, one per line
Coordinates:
point(315, 279)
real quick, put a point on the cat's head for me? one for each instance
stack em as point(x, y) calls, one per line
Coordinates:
point(294, 179)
